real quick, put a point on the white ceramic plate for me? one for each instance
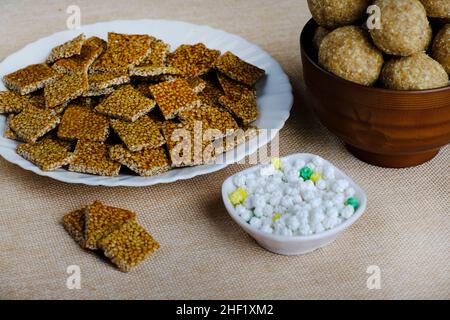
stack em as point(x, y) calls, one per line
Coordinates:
point(274, 93)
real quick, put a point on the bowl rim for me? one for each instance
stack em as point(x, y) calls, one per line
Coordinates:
point(357, 85)
point(281, 238)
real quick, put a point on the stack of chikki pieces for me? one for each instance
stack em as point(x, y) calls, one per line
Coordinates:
point(96, 106)
point(112, 230)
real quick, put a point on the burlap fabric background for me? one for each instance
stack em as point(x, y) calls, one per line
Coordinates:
point(405, 230)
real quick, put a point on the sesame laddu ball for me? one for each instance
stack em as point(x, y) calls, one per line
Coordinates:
point(441, 47)
point(405, 29)
point(437, 8)
point(348, 53)
point(416, 72)
point(332, 14)
point(319, 35)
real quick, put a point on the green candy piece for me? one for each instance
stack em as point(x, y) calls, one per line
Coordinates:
point(306, 173)
point(352, 202)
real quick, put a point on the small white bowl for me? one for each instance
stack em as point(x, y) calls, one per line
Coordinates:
point(293, 245)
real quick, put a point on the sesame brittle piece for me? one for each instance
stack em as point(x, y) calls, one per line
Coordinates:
point(82, 123)
point(239, 70)
point(126, 103)
point(48, 154)
point(128, 246)
point(193, 60)
point(30, 79)
point(73, 222)
point(92, 157)
point(239, 137)
point(211, 93)
point(65, 89)
point(98, 93)
point(67, 49)
point(233, 89)
point(101, 220)
point(146, 163)
point(9, 134)
point(245, 109)
point(33, 123)
point(101, 81)
point(123, 53)
point(143, 133)
point(155, 63)
point(174, 96)
point(11, 102)
point(91, 50)
point(197, 84)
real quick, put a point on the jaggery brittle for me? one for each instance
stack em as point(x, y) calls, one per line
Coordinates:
point(147, 162)
point(245, 109)
point(30, 79)
point(155, 63)
point(101, 220)
point(101, 81)
point(73, 222)
point(11, 102)
point(67, 49)
point(82, 123)
point(93, 158)
point(67, 88)
point(143, 133)
point(128, 246)
point(48, 154)
point(239, 70)
point(9, 134)
point(126, 103)
point(193, 60)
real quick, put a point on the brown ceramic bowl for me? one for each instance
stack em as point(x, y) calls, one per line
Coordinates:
point(382, 127)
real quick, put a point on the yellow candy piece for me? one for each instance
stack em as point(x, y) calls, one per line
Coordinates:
point(276, 162)
point(316, 177)
point(238, 196)
point(276, 217)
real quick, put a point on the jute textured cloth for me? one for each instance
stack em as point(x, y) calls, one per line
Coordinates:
point(405, 230)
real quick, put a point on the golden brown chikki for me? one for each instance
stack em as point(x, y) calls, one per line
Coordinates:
point(126, 103)
point(197, 84)
point(123, 53)
point(159, 50)
point(157, 118)
point(239, 70)
point(211, 117)
point(67, 88)
point(30, 79)
point(92, 157)
point(101, 220)
point(143, 133)
point(101, 81)
point(147, 162)
point(37, 99)
point(193, 60)
point(33, 123)
point(211, 93)
point(245, 109)
point(98, 93)
point(48, 154)
point(143, 88)
point(82, 123)
point(240, 136)
point(233, 89)
point(91, 50)
point(67, 49)
point(73, 222)
point(174, 96)
point(11, 102)
point(9, 134)
point(128, 246)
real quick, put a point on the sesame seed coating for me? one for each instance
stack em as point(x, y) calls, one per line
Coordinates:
point(211, 93)
point(155, 63)
point(126, 103)
point(193, 60)
point(405, 27)
point(244, 109)
point(48, 154)
point(73, 222)
point(143, 133)
point(67, 88)
point(332, 14)
point(348, 53)
point(67, 49)
point(33, 123)
point(98, 93)
point(437, 8)
point(416, 72)
point(30, 79)
point(174, 96)
point(128, 246)
point(81, 123)
point(101, 220)
point(147, 162)
point(239, 70)
point(11, 102)
point(37, 99)
point(100, 81)
point(9, 134)
point(93, 158)
point(197, 84)
point(233, 89)
point(441, 47)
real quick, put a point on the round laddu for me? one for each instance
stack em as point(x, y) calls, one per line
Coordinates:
point(405, 29)
point(332, 14)
point(416, 72)
point(319, 35)
point(348, 53)
point(437, 8)
point(441, 47)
